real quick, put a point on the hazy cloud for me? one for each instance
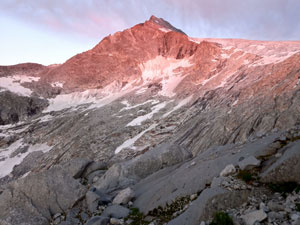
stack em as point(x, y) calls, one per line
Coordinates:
point(253, 19)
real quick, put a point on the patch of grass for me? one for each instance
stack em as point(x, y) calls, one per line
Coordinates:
point(221, 218)
point(245, 175)
point(137, 217)
point(298, 207)
point(166, 214)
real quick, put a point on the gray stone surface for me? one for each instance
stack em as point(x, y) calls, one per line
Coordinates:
point(29, 162)
point(76, 166)
point(116, 211)
point(98, 220)
point(186, 179)
point(286, 168)
point(210, 201)
point(253, 217)
point(123, 174)
point(249, 163)
point(124, 196)
point(40, 195)
point(94, 198)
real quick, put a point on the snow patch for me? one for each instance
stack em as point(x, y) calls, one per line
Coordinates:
point(179, 105)
point(164, 29)
point(155, 109)
point(57, 84)
point(128, 107)
point(7, 161)
point(13, 84)
point(96, 98)
point(130, 142)
point(161, 69)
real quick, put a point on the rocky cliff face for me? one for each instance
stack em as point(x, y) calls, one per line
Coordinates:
point(157, 111)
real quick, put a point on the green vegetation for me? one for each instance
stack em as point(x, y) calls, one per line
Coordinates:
point(166, 214)
point(137, 217)
point(221, 218)
point(284, 188)
point(298, 207)
point(245, 175)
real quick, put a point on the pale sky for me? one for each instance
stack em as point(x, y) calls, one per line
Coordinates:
point(51, 31)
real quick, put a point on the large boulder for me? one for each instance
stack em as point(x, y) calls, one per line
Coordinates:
point(38, 196)
point(209, 202)
point(124, 196)
point(123, 174)
point(286, 168)
point(76, 167)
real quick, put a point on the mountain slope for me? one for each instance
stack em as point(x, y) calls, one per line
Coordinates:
point(145, 101)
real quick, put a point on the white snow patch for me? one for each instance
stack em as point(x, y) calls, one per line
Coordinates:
point(194, 40)
point(155, 109)
point(97, 98)
point(7, 163)
point(164, 29)
point(141, 91)
point(130, 142)
point(225, 56)
point(235, 102)
point(57, 84)
point(179, 105)
point(128, 107)
point(13, 84)
point(161, 69)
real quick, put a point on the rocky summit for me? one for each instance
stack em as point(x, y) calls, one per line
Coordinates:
point(154, 127)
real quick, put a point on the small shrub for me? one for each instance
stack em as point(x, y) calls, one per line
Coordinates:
point(284, 188)
point(245, 175)
point(298, 207)
point(221, 218)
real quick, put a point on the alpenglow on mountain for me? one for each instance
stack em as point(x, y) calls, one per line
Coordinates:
point(152, 126)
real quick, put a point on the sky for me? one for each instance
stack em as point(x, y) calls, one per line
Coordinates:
point(51, 31)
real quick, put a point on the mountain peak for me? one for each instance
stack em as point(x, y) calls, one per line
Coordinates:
point(161, 23)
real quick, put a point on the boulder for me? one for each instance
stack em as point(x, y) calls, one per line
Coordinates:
point(124, 196)
point(228, 170)
point(253, 217)
point(249, 163)
point(76, 167)
point(286, 168)
point(35, 198)
point(121, 175)
point(94, 166)
point(94, 198)
point(116, 211)
point(29, 162)
point(209, 202)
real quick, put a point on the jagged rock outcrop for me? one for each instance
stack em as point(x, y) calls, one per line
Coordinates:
point(14, 108)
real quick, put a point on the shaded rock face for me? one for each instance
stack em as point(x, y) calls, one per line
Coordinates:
point(37, 197)
point(14, 108)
